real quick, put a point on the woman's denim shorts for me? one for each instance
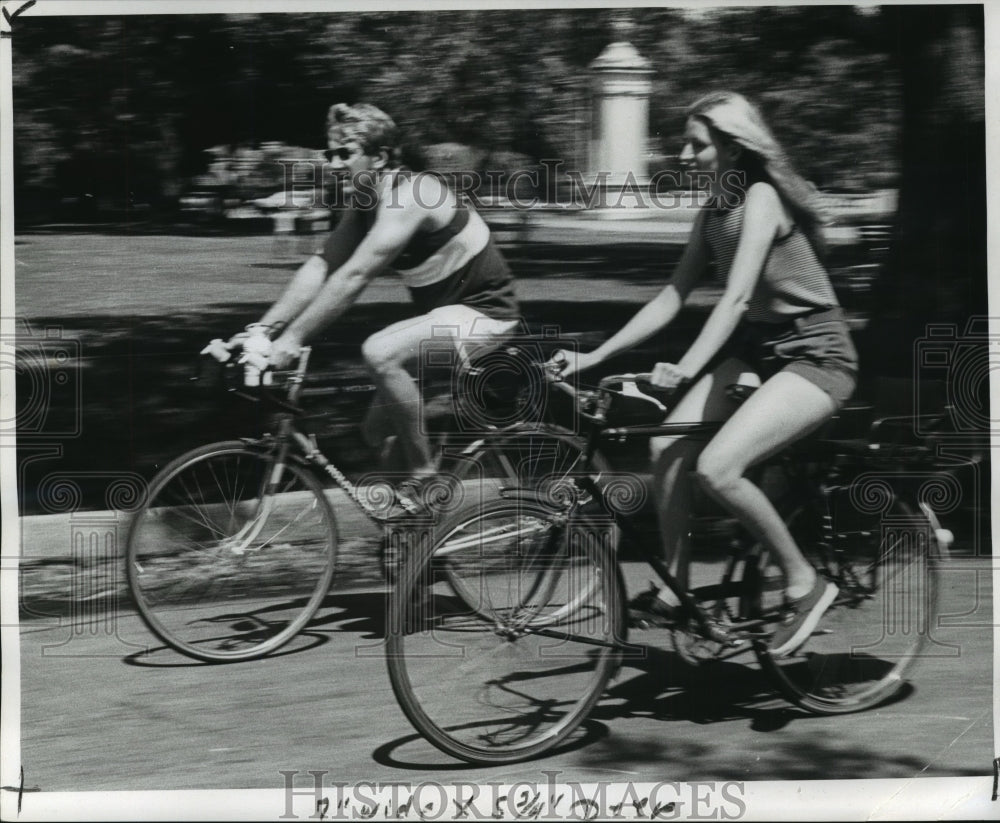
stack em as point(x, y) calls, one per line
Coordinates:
point(816, 346)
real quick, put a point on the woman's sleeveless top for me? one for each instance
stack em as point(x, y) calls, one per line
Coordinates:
point(792, 282)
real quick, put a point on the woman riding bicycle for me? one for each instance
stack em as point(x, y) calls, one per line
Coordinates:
point(778, 317)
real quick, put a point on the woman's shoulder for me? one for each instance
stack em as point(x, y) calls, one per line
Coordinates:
point(762, 193)
point(767, 208)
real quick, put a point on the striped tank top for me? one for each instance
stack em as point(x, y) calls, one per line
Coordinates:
point(432, 256)
point(792, 282)
point(456, 264)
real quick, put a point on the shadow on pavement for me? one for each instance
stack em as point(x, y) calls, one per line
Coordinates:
point(589, 732)
point(669, 688)
point(163, 657)
point(362, 613)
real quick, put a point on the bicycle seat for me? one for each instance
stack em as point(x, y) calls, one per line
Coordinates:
point(740, 392)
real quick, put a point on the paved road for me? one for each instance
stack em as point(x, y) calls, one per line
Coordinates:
point(98, 714)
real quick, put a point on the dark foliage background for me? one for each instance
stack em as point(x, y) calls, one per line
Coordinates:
point(123, 109)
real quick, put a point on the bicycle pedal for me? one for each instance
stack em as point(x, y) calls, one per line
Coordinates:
point(409, 507)
point(645, 621)
point(718, 634)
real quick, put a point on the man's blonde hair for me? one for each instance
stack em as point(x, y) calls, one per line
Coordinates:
point(364, 124)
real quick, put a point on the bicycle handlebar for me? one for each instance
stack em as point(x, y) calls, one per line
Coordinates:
point(553, 373)
point(257, 372)
point(593, 402)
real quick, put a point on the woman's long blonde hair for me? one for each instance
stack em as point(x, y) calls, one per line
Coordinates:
point(737, 119)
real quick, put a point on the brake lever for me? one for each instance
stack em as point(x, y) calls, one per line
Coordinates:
point(662, 393)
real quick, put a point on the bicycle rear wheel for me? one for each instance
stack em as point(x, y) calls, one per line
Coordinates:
point(232, 554)
point(514, 674)
point(886, 566)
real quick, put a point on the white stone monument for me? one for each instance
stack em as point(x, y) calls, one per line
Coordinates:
point(622, 81)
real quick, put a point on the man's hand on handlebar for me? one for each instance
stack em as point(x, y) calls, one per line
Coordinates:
point(235, 343)
point(252, 346)
point(222, 350)
point(285, 350)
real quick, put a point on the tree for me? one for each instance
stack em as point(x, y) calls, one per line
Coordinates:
point(118, 105)
point(936, 272)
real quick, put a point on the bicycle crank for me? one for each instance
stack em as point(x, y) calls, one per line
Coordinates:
point(696, 648)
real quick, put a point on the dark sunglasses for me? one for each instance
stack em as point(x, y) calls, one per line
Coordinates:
point(343, 153)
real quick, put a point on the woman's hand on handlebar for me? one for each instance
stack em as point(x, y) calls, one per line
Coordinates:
point(564, 363)
point(668, 376)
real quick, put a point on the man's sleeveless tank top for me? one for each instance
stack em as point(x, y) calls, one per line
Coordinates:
point(456, 264)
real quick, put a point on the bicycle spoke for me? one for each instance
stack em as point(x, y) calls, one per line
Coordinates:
point(877, 627)
point(222, 494)
point(236, 592)
point(195, 501)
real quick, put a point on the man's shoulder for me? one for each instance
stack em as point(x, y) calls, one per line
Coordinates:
point(415, 189)
point(416, 198)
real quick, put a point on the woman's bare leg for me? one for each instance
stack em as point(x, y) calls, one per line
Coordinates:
point(783, 410)
point(674, 459)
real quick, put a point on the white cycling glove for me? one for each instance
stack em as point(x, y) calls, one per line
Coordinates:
point(256, 345)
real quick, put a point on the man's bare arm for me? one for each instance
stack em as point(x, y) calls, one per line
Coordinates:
point(299, 293)
point(393, 228)
point(389, 235)
point(308, 281)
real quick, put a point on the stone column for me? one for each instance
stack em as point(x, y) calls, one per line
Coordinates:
point(620, 110)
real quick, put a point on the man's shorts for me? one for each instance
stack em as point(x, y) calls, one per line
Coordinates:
point(816, 346)
point(471, 330)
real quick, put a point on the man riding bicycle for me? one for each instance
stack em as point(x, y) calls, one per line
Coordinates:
point(394, 220)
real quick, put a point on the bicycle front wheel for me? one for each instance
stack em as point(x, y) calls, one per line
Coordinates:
point(544, 459)
point(547, 463)
point(514, 674)
point(886, 567)
point(232, 553)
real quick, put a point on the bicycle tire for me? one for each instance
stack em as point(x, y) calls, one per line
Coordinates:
point(231, 556)
point(540, 461)
point(886, 566)
point(538, 458)
point(515, 684)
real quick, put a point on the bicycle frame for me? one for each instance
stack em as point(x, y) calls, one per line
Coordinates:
point(597, 431)
point(280, 444)
point(308, 450)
